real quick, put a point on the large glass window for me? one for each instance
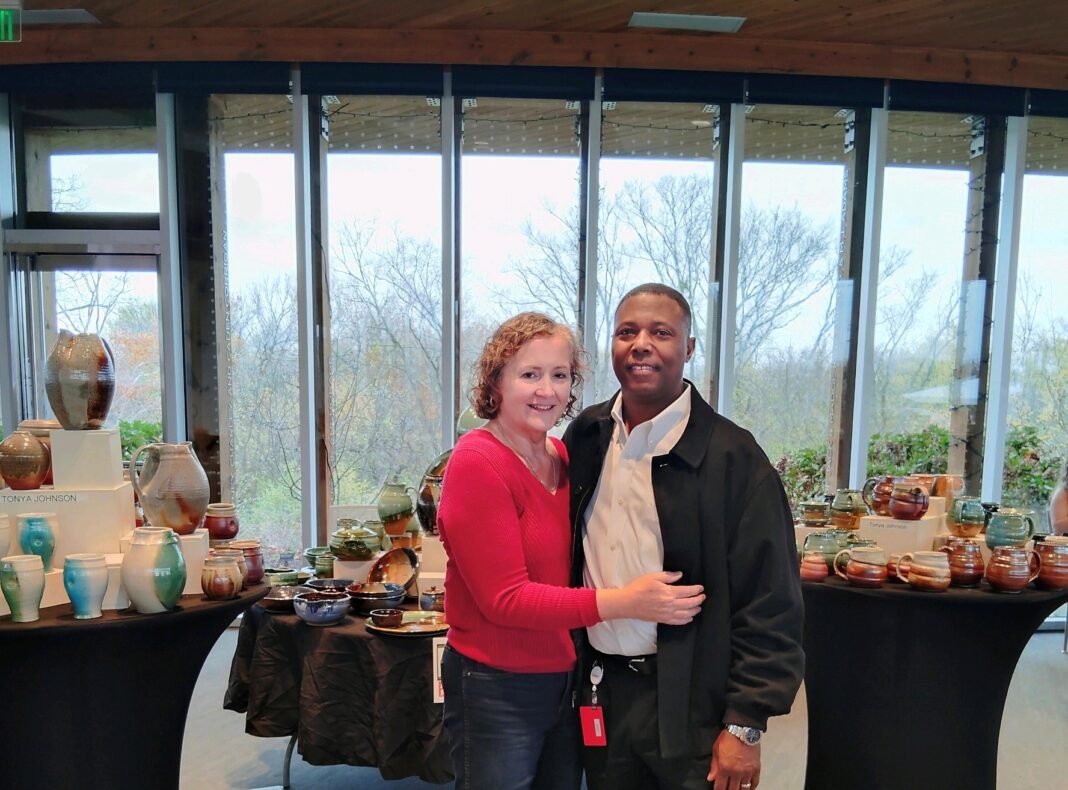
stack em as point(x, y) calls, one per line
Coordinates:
point(385, 291)
point(655, 217)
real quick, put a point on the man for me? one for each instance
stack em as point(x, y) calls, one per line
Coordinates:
point(660, 481)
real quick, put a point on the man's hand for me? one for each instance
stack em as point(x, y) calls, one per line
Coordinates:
point(735, 765)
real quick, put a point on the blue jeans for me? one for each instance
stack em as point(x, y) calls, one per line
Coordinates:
point(510, 730)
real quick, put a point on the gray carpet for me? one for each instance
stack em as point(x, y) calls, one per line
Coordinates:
point(1034, 735)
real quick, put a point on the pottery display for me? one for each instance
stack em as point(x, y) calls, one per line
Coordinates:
point(237, 556)
point(426, 504)
point(24, 461)
point(1012, 568)
point(220, 578)
point(321, 608)
point(37, 535)
point(846, 509)
point(42, 431)
point(355, 543)
point(85, 578)
point(22, 581)
point(1009, 526)
point(253, 554)
point(80, 380)
point(153, 570)
point(432, 599)
point(908, 501)
point(966, 565)
point(395, 507)
point(1053, 573)
point(927, 570)
point(967, 517)
point(220, 520)
point(876, 494)
point(175, 495)
point(866, 566)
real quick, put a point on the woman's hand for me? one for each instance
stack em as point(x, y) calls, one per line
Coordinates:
point(654, 598)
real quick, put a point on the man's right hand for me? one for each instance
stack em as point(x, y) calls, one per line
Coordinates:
point(653, 598)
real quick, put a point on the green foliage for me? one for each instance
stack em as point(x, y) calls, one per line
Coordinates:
point(804, 473)
point(135, 433)
point(901, 453)
point(1031, 469)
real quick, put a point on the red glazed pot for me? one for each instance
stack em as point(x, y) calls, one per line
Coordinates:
point(966, 564)
point(1010, 571)
point(908, 501)
point(221, 521)
point(1053, 575)
point(253, 558)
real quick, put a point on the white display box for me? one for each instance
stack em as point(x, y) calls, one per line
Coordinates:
point(897, 535)
point(937, 506)
point(356, 570)
point(86, 459)
point(194, 550)
point(90, 522)
point(433, 557)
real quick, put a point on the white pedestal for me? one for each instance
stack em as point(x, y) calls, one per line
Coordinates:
point(91, 522)
point(356, 570)
point(937, 507)
point(897, 535)
point(86, 459)
point(194, 550)
point(433, 555)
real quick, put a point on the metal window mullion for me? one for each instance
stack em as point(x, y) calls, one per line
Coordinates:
point(10, 372)
point(591, 211)
point(869, 287)
point(1007, 264)
point(450, 330)
point(171, 336)
point(732, 226)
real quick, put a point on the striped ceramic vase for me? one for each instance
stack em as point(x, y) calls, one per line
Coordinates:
point(153, 570)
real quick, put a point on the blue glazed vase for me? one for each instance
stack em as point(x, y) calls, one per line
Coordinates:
point(85, 578)
point(153, 570)
point(37, 535)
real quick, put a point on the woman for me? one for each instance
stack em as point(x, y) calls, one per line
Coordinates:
point(1058, 505)
point(504, 521)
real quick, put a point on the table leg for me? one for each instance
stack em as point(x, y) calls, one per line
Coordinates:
point(288, 760)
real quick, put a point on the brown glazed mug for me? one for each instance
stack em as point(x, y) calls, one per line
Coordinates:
point(1010, 568)
point(927, 570)
point(966, 564)
point(908, 501)
point(892, 564)
point(1053, 574)
point(866, 566)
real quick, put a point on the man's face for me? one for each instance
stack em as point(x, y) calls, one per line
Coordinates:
point(650, 347)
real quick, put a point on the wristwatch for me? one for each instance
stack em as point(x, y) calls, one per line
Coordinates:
point(747, 735)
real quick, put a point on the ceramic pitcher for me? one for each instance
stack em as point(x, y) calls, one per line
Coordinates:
point(80, 380)
point(176, 495)
point(395, 507)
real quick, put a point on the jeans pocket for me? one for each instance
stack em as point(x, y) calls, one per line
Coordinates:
point(473, 670)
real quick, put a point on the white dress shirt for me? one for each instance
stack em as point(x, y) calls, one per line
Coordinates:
point(622, 539)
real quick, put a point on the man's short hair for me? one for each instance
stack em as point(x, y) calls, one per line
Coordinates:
point(659, 289)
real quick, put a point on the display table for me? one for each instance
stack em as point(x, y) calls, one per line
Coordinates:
point(348, 696)
point(906, 688)
point(102, 703)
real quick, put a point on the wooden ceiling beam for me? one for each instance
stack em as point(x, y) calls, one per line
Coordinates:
point(608, 50)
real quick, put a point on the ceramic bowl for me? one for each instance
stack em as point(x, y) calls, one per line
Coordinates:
point(387, 618)
point(375, 595)
point(280, 599)
point(329, 585)
point(397, 566)
point(321, 608)
point(278, 577)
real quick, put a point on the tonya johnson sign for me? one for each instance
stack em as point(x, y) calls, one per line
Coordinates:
point(43, 498)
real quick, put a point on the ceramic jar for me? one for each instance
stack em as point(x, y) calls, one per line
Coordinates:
point(85, 578)
point(432, 599)
point(395, 508)
point(252, 554)
point(813, 567)
point(846, 509)
point(1053, 574)
point(321, 559)
point(876, 493)
point(908, 501)
point(37, 535)
point(426, 503)
point(1009, 526)
point(42, 431)
point(22, 581)
point(153, 570)
point(866, 566)
point(220, 578)
point(1010, 568)
point(80, 380)
point(220, 521)
point(237, 556)
point(967, 517)
point(927, 570)
point(949, 487)
point(966, 564)
point(355, 543)
point(176, 494)
point(24, 461)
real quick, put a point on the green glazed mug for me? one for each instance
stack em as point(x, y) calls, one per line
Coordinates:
point(1009, 527)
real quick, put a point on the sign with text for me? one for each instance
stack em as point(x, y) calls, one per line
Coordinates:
point(42, 497)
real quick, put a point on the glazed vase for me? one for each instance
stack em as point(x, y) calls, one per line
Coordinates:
point(220, 578)
point(426, 504)
point(85, 578)
point(80, 380)
point(395, 508)
point(176, 494)
point(1010, 569)
point(1009, 526)
point(37, 535)
point(42, 431)
point(25, 461)
point(876, 494)
point(237, 556)
point(220, 521)
point(22, 581)
point(153, 570)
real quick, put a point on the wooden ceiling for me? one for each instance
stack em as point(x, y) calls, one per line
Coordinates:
point(997, 42)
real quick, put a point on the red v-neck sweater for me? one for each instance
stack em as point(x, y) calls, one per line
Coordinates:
point(509, 547)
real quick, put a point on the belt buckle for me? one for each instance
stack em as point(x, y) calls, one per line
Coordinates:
point(635, 665)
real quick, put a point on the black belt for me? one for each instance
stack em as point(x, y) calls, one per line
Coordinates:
point(642, 665)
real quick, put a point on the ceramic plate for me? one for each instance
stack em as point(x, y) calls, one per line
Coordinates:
point(415, 624)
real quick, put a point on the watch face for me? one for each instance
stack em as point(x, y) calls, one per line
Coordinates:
point(752, 736)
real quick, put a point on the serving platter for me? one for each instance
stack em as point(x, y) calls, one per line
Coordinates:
point(414, 624)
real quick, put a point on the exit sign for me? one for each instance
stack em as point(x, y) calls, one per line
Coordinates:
point(10, 22)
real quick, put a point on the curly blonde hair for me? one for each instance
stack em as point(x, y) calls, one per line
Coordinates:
point(503, 345)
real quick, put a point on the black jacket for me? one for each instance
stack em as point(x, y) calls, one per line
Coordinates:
point(725, 524)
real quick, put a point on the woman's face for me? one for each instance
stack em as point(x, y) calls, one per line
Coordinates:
point(535, 385)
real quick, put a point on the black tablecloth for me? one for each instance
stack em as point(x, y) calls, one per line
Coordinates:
point(350, 696)
point(906, 688)
point(102, 703)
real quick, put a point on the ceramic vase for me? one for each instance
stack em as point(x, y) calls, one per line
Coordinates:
point(85, 578)
point(22, 581)
point(220, 578)
point(252, 553)
point(153, 570)
point(80, 380)
point(42, 431)
point(1010, 569)
point(426, 505)
point(220, 521)
point(395, 508)
point(238, 558)
point(37, 535)
point(24, 461)
point(176, 495)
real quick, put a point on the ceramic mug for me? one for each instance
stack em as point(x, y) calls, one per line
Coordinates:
point(1009, 526)
point(866, 566)
point(22, 581)
point(1009, 569)
point(967, 517)
point(813, 567)
point(966, 565)
point(85, 578)
point(1053, 575)
point(927, 570)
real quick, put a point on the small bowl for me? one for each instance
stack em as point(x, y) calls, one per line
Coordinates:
point(280, 599)
point(279, 577)
point(304, 575)
point(387, 618)
point(329, 585)
point(321, 608)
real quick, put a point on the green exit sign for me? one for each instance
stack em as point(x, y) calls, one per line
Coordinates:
point(10, 25)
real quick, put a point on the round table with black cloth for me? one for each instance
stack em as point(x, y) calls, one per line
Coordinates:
point(906, 688)
point(102, 703)
point(351, 697)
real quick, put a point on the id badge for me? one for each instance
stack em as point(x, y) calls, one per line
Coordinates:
point(592, 718)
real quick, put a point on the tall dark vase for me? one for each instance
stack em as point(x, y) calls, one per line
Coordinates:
point(80, 380)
